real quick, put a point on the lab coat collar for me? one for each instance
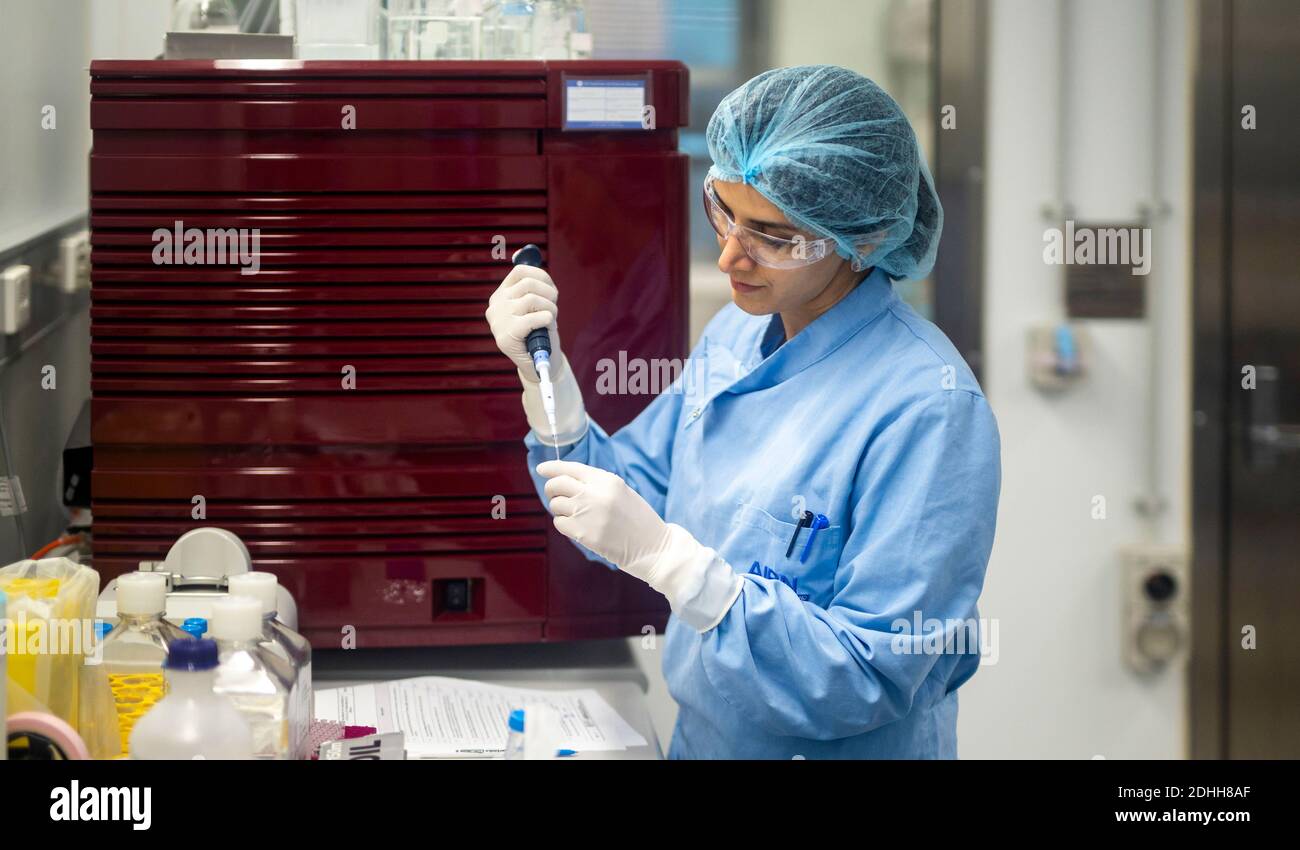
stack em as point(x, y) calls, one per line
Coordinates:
point(829, 331)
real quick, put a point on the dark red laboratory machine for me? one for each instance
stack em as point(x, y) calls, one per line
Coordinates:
point(331, 392)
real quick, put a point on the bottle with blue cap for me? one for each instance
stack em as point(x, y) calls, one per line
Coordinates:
point(515, 738)
point(541, 748)
point(192, 721)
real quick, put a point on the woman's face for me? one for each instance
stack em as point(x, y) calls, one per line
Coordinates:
point(760, 291)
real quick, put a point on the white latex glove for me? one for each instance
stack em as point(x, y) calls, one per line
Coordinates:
point(599, 510)
point(526, 300)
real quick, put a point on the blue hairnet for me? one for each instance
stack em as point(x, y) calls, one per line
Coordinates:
point(837, 156)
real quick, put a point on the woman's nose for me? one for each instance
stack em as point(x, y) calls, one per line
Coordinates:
point(734, 258)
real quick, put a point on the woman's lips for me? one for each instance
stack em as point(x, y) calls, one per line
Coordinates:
point(743, 288)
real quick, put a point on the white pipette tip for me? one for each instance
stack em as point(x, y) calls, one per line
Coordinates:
point(543, 363)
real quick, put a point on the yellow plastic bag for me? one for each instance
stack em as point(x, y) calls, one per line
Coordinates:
point(51, 619)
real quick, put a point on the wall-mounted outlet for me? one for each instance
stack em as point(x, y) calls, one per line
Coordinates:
point(15, 298)
point(1156, 610)
point(72, 268)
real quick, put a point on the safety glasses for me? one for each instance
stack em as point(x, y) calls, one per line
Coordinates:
point(770, 251)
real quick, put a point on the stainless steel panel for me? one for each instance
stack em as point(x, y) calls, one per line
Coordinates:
point(1263, 706)
point(1245, 702)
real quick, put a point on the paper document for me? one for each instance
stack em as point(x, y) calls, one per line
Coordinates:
point(443, 717)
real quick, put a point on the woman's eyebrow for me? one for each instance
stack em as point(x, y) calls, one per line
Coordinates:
point(777, 225)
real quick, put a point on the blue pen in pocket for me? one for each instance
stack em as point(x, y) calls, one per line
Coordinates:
point(819, 522)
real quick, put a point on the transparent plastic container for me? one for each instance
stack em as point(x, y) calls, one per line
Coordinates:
point(257, 679)
point(543, 29)
point(336, 29)
point(432, 29)
point(508, 30)
point(50, 602)
point(204, 16)
point(290, 645)
point(515, 738)
point(97, 718)
point(554, 22)
point(192, 721)
point(132, 654)
point(4, 676)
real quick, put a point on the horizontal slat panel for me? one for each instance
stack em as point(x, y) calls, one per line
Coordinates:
point(215, 366)
point(464, 224)
point(321, 329)
point(115, 293)
point(198, 275)
point(477, 244)
point(332, 69)
point(223, 313)
point(270, 256)
point(319, 114)
point(354, 417)
point(460, 537)
point(219, 87)
point(325, 204)
point(271, 475)
point(300, 513)
point(302, 348)
point(190, 385)
point(311, 172)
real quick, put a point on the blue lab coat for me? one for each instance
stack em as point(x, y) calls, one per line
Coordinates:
point(870, 417)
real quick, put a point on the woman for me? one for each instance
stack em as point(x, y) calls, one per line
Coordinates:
point(821, 396)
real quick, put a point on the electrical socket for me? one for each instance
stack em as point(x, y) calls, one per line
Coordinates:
point(72, 270)
point(15, 298)
point(1156, 620)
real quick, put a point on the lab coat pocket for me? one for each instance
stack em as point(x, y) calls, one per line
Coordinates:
point(761, 542)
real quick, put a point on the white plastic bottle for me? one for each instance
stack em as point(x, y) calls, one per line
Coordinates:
point(294, 647)
point(192, 721)
point(257, 679)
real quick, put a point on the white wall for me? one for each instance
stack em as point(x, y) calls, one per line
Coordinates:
point(1060, 688)
point(45, 53)
point(129, 29)
point(43, 59)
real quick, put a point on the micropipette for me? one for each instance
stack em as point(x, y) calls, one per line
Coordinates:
point(539, 346)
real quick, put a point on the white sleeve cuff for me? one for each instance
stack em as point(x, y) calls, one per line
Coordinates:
point(700, 586)
point(570, 415)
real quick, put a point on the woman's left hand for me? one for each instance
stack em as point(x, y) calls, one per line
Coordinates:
point(597, 509)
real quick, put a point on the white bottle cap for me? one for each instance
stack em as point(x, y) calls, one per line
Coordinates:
point(141, 593)
point(260, 586)
point(236, 618)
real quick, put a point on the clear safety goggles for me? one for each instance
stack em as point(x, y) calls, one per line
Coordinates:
point(770, 251)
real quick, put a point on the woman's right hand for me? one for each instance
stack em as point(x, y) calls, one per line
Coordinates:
point(525, 300)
